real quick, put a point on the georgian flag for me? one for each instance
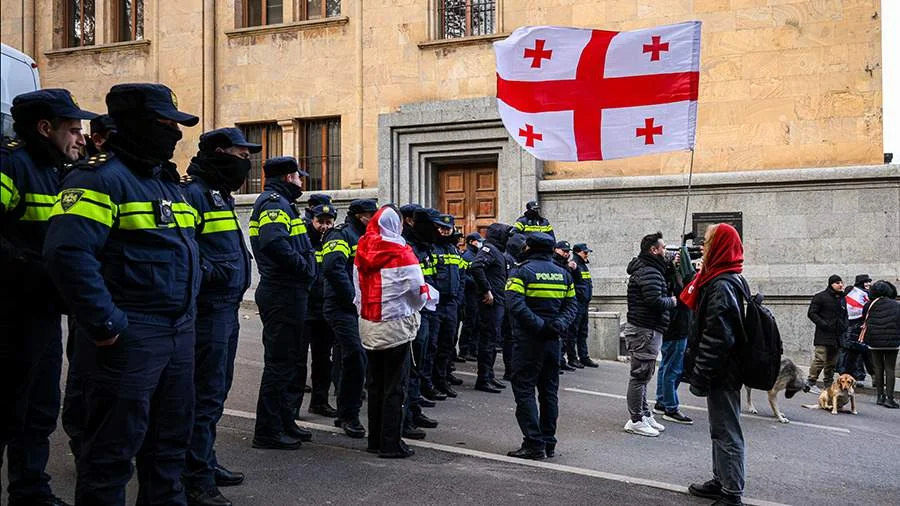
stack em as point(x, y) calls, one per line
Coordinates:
point(572, 94)
point(386, 273)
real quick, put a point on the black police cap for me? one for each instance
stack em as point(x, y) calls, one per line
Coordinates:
point(408, 210)
point(446, 220)
point(48, 103)
point(226, 138)
point(363, 206)
point(281, 166)
point(324, 210)
point(581, 247)
point(103, 124)
point(532, 205)
point(540, 241)
point(564, 245)
point(156, 98)
point(474, 236)
point(318, 198)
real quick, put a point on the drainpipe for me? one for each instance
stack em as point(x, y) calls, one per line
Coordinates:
point(209, 65)
point(359, 87)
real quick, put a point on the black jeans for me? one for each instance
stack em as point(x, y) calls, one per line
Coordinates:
point(885, 362)
point(282, 310)
point(387, 378)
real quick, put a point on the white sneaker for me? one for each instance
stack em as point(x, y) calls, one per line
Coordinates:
point(653, 423)
point(641, 428)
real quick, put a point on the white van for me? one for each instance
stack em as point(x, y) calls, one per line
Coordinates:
point(18, 74)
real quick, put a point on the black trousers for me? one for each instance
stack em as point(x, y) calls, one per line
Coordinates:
point(468, 336)
point(282, 310)
point(490, 318)
point(321, 342)
point(352, 357)
point(387, 378)
point(885, 362)
point(31, 360)
point(446, 333)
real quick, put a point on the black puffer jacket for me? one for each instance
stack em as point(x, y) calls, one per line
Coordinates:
point(682, 316)
point(489, 268)
point(711, 358)
point(828, 310)
point(883, 324)
point(649, 302)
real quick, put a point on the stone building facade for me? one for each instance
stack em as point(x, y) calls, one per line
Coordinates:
point(394, 98)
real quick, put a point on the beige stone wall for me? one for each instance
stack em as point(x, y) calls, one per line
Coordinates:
point(784, 83)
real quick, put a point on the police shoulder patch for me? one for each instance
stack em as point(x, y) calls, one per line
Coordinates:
point(485, 249)
point(68, 198)
point(273, 215)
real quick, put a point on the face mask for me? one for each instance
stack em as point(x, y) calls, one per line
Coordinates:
point(148, 137)
point(425, 231)
point(231, 170)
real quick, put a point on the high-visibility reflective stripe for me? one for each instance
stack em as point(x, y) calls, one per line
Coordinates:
point(548, 286)
point(254, 228)
point(87, 204)
point(38, 207)
point(515, 285)
point(545, 294)
point(274, 217)
point(449, 259)
point(519, 225)
point(337, 246)
point(298, 226)
point(534, 228)
point(9, 194)
point(143, 216)
point(220, 225)
point(585, 275)
point(570, 292)
point(427, 270)
point(319, 257)
point(216, 215)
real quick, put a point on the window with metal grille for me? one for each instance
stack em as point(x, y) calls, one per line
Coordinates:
point(128, 18)
point(318, 9)
point(262, 12)
point(320, 147)
point(80, 23)
point(269, 136)
point(465, 18)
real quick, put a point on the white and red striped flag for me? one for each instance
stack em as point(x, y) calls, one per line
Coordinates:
point(573, 94)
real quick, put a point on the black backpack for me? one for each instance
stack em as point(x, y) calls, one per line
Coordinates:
point(760, 352)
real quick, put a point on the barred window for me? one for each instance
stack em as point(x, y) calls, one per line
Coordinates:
point(318, 9)
point(262, 12)
point(80, 23)
point(269, 136)
point(128, 18)
point(320, 147)
point(464, 18)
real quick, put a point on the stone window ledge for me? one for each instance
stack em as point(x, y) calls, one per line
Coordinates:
point(99, 48)
point(462, 41)
point(287, 27)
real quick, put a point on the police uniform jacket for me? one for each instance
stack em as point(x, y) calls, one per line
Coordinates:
point(121, 245)
point(584, 287)
point(284, 254)
point(468, 257)
point(317, 289)
point(489, 269)
point(29, 184)
point(540, 293)
point(224, 259)
point(528, 225)
point(447, 279)
point(338, 255)
point(425, 253)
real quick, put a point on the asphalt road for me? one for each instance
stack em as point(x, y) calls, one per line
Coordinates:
point(818, 458)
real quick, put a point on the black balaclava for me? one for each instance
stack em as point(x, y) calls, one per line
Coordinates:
point(143, 139)
point(423, 228)
point(221, 170)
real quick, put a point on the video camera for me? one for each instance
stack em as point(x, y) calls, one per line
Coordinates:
point(693, 249)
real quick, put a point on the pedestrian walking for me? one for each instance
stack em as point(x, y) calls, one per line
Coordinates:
point(49, 137)
point(828, 310)
point(390, 292)
point(649, 306)
point(122, 251)
point(882, 335)
point(717, 300)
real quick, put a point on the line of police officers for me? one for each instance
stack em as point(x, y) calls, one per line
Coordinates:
point(151, 269)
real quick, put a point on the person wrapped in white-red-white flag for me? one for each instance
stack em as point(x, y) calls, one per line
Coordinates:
point(571, 94)
point(389, 283)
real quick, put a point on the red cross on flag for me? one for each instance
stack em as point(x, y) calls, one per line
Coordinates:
point(573, 94)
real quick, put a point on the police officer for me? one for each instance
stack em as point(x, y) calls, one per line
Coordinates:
point(489, 269)
point(561, 254)
point(585, 289)
point(316, 199)
point(287, 266)
point(447, 281)
point(48, 125)
point(540, 297)
point(532, 221)
point(339, 252)
point(514, 251)
point(101, 128)
point(321, 338)
point(122, 251)
point(219, 169)
point(467, 346)
point(419, 232)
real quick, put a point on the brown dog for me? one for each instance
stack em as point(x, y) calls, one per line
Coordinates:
point(837, 396)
